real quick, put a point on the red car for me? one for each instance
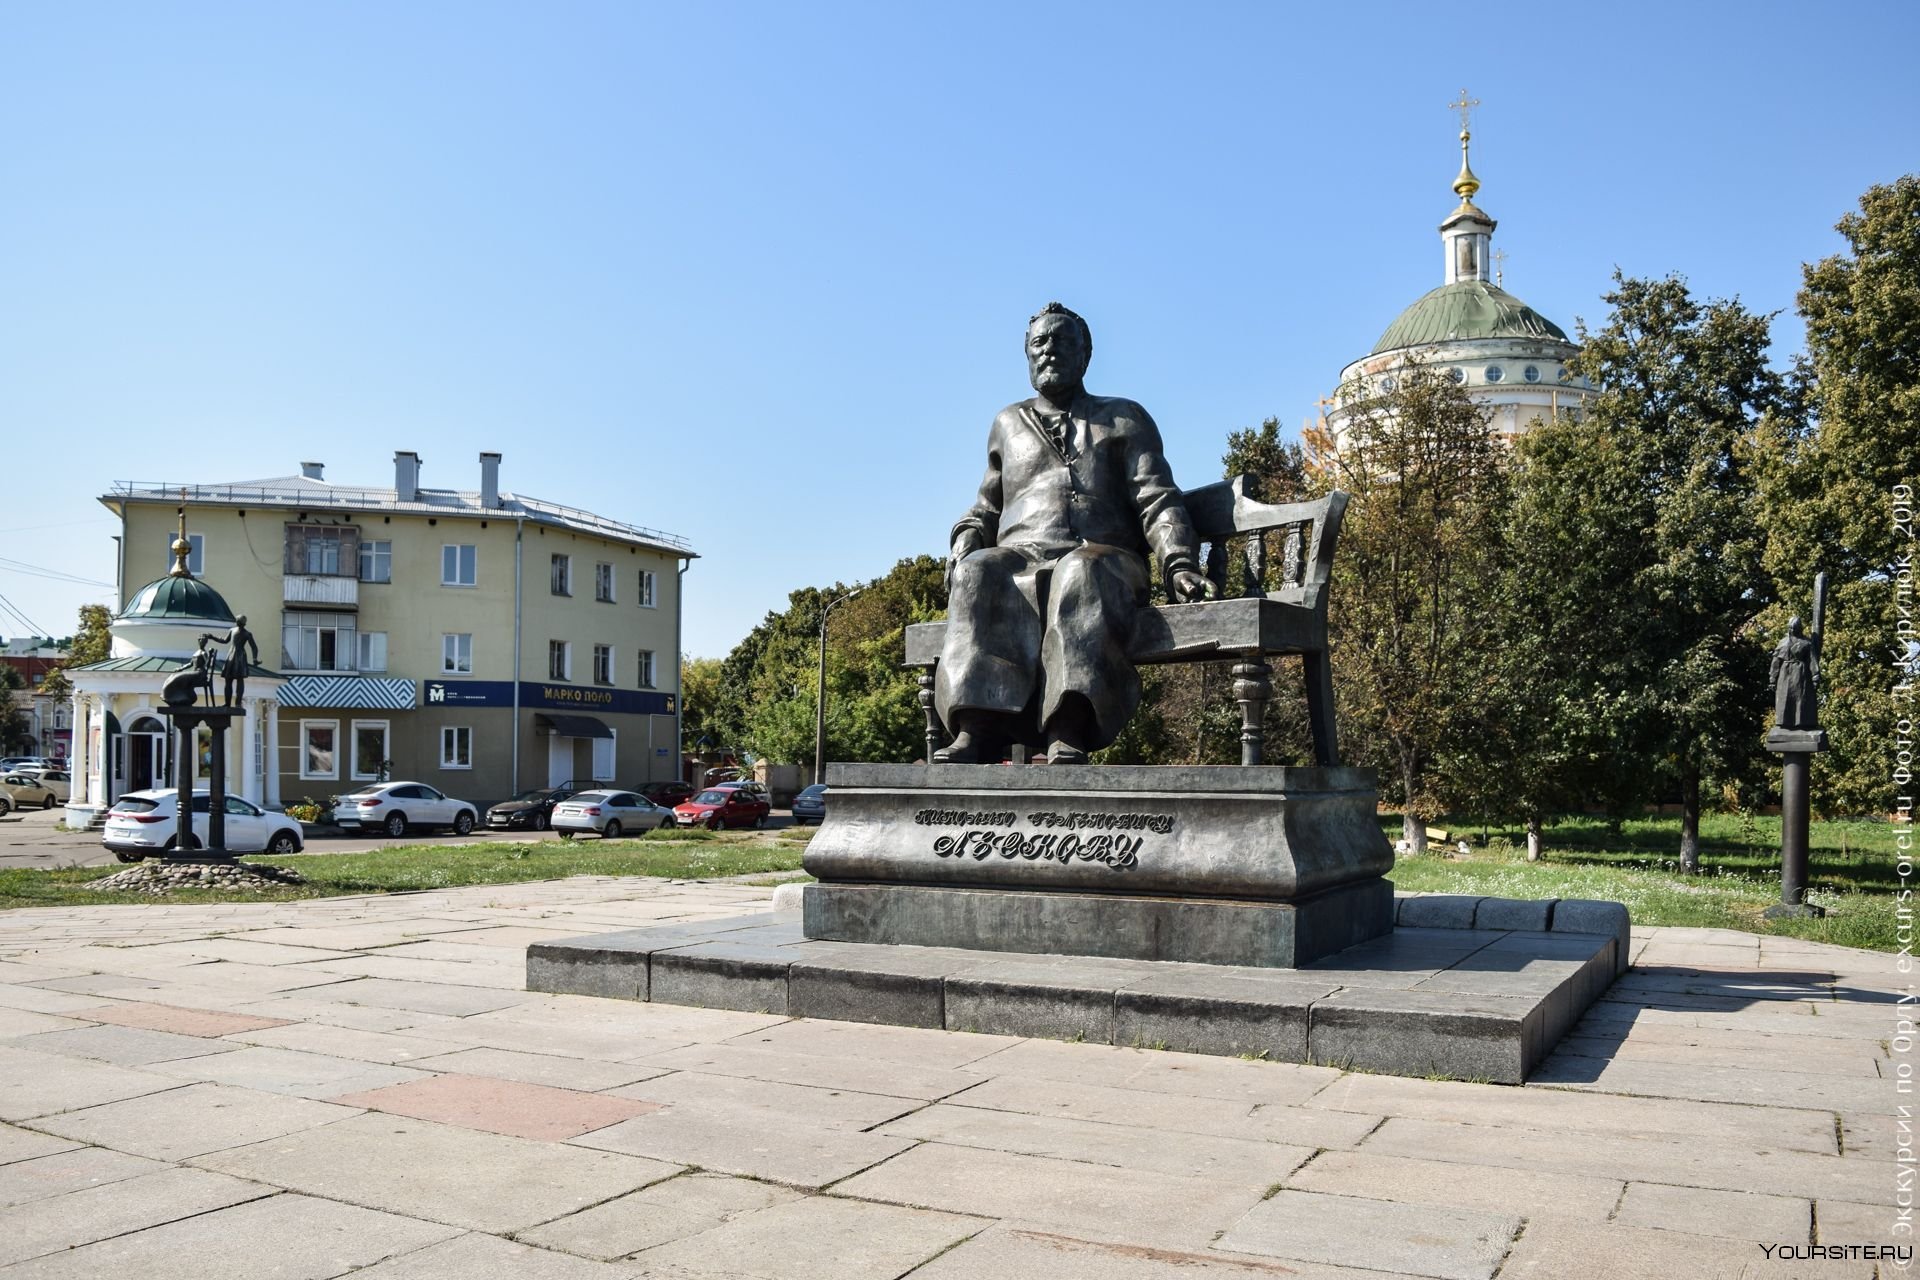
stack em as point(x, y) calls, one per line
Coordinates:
point(731, 807)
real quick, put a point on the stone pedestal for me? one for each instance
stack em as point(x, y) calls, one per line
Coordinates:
point(1256, 866)
point(1795, 747)
point(186, 722)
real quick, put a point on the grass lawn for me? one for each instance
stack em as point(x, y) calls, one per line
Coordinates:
point(1851, 872)
point(678, 854)
point(1635, 862)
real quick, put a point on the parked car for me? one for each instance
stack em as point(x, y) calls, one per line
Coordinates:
point(810, 805)
point(666, 794)
point(608, 814)
point(144, 822)
point(14, 764)
point(529, 810)
point(744, 784)
point(720, 807)
point(58, 781)
point(24, 791)
point(393, 807)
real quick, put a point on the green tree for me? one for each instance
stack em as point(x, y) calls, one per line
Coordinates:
point(92, 643)
point(765, 700)
point(1829, 496)
point(13, 721)
point(1685, 395)
point(1418, 552)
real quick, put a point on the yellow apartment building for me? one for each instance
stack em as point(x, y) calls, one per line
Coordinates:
point(477, 640)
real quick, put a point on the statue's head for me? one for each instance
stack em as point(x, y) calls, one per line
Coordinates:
point(1793, 625)
point(1059, 348)
point(242, 619)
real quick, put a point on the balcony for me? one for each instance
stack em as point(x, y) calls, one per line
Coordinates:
point(320, 591)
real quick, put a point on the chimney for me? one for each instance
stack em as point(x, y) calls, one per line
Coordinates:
point(406, 476)
point(489, 480)
point(313, 470)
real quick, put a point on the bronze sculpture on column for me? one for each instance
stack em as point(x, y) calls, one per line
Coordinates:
point(1796, 735)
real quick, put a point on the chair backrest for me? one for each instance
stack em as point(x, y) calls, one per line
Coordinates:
point(1229, 509)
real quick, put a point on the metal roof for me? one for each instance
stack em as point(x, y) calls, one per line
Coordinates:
point(318, 495)
point(1463, 311)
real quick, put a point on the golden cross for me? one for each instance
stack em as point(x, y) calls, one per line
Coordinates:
point(1499, 265)
point(1465, 107)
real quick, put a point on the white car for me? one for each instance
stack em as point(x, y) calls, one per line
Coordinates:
point(24, 791)
point(609, 813)
point(393, 807)
point(144, 822)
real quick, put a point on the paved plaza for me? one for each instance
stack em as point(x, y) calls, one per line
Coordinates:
point(363, 1085)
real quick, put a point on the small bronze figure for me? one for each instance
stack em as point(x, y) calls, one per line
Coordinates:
point(1795, 673)
point(240, 645)
point(182, 688)
point(1049, 567)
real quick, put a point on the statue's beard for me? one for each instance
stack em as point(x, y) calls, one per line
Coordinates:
point(1056, 383)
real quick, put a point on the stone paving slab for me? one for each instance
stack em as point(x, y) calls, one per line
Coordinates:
point(829, 1108)
point(666, 1211)
point(501, 1106)
point(1165, 1210)
point(1425, 1240)
point(38, 1084)
point(1019, 1253)
point(1737, 1215)
point(181, 1022)
point(308, 1239)
point(25, 1144)
point(123, 1046)
point(65, 1171)
point(816, 1238)
point(100, 1212)
point(893, 1079)
point(304, 1075)
point(481, 1257)
point(1558, 1250)
point(439, 1173)
point(748, 1144)
point(192, 1120)
point(1408, 1180)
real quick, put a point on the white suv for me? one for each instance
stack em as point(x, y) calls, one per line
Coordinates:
point(144, 822)
point(392, 807)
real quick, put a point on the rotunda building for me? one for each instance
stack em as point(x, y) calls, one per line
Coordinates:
point(1509, 357)
point(121, 742)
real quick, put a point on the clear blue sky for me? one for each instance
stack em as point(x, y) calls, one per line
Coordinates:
point(758, 273)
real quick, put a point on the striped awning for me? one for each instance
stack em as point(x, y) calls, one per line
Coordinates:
point(357, 693)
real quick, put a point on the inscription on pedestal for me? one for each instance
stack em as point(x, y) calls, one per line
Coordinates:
point(1056, 838)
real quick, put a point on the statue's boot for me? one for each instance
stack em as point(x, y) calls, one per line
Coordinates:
point(1067, 732)
point(964, 749)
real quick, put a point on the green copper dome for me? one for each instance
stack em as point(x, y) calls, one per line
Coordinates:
point(180, 599)
point(1462, 312)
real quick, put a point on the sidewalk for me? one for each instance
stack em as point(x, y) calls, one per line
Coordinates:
point(307, 1089)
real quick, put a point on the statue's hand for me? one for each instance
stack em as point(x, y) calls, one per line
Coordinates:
point(1186, 587)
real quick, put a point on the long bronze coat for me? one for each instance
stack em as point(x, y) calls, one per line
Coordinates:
point(1046, 607)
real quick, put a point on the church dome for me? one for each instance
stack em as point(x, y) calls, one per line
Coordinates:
point(1463, 311)
point(177, 599)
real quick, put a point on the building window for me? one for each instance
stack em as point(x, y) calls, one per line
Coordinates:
point(456, 747)
point(196, 558)
point(559, 660)
point(370, 761)
point(323, 552)
point(563, 575)
point(646, 589)
point(603, 664)
point(644, 660)
point(458, 567)
point(372, 655)
point(319, 756)
point(603, 583)
point(376, 562)
point(456, 653)
point(319, 641)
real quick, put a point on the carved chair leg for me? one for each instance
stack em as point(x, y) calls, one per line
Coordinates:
point(1326, 747)
point(926, 708)
point(1251, 689)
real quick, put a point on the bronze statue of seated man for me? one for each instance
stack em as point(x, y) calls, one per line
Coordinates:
point(1049, 567)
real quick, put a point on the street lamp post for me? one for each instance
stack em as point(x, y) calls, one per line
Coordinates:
point(820, 701)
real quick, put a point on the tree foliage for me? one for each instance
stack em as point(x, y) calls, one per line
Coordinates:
point(1418, 555)
point(1829, 491)
point(764, 696)
point(92, 643)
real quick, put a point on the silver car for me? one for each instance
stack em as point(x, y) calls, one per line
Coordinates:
point(608, 813)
